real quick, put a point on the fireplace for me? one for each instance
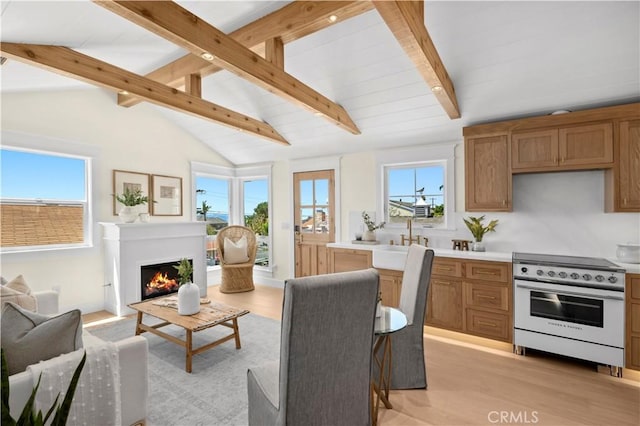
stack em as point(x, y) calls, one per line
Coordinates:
point(159, 279)
point(130, 246)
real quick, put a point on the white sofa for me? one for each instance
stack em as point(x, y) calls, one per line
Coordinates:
point(133, 361)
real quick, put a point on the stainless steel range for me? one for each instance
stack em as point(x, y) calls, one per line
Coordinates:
point(571, 306)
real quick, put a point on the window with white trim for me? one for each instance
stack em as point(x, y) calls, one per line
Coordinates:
point(417, 184)
point(44, 200)
point(234, 196)
point(416, 192)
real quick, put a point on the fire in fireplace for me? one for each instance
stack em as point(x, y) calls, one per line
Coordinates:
point(159, 279)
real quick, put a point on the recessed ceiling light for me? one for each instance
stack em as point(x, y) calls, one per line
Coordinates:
point(436, 88)
point(333, 18)
point(123, 92)
point(207, 56)
point(318, 114)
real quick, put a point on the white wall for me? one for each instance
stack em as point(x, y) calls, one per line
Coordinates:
point(136, 139)
point(556, 213)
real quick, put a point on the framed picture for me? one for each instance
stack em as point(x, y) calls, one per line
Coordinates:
point(123, 180)
point(167, 195)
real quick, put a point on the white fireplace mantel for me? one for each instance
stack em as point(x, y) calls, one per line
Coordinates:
point(129, 246)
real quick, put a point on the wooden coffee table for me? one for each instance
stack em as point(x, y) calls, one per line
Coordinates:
point(210, 315)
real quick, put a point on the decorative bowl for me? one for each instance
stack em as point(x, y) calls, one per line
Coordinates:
point(628, 253)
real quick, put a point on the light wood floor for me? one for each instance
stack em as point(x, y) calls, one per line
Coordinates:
point(472, 385)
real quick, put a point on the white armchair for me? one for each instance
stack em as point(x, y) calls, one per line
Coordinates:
point(132, 360)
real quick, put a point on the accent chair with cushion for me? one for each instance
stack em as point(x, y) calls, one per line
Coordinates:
point(326, 343)
point(407, 345)
point(237, 253)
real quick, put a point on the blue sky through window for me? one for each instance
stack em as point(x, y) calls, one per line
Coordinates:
point(404, 182)
point(29, 175)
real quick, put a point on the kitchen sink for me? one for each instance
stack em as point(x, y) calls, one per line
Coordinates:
point(390, 257)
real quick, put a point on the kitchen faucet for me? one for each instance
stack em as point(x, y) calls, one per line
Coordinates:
point(410, 239)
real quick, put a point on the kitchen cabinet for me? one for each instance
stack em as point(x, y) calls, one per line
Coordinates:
point(632, 344)
point(472, 297)
point(444, 304)
point(487, 299)
point(567, 148)
point(487, 173)
point(601, 138)
point(622, 185)
point(390, 284)
point(344, 260)
point(444, 300)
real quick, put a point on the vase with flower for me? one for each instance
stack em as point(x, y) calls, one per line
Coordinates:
point(370, 233)
point(478, 230)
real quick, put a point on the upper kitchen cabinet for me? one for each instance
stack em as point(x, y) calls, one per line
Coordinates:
point(602, 138)
point(567, 148)
point(487, 173)
point(622, 189)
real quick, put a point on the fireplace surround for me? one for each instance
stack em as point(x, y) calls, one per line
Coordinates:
point(128, 247)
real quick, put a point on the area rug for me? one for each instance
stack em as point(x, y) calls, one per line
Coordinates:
point(215, 393)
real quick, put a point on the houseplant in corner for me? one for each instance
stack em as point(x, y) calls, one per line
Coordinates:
point(370, 233)
point(478, 230)
point(188, 293)
point(130, 199)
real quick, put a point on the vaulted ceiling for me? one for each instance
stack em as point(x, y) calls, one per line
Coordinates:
point(379, 75)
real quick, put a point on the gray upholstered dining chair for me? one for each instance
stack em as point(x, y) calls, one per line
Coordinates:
point(323, 376)
point(407, 362)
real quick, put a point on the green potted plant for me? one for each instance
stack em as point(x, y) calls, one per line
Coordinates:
point(370, 233)
point(130, 198)
point(188, 292)
point(478, 230)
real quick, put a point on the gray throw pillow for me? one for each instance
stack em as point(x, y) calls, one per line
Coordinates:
point(28, 338)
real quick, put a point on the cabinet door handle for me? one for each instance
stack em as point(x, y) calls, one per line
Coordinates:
point(504, 202)
point(485, 296)
point(624, 201)
point(490, 324)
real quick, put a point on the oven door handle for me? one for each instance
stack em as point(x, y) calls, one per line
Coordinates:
point(571, 293)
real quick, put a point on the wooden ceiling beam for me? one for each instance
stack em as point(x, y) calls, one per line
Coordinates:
point(291, 22)
point(274, 52)
point(406, 21)
point(68, 62)
point(193, 85)
point(178, 25)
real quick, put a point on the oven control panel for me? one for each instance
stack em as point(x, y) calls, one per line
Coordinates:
point(571, 276)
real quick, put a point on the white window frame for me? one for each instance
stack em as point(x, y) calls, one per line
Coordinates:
point(56, 147)
point(236, 176)
point(443, 155)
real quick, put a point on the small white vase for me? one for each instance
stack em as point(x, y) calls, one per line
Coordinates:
point(128, 214)
point(477, 246)
point(369, 236)
point(188, 299)
point(379, 309)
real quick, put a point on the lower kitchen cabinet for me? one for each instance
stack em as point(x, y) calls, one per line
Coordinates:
point(444, 303)
point(390, 283)
point(471, 296)
point(344, 260)
point(632, 344)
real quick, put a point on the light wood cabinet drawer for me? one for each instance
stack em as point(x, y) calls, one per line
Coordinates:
point(489, 324)
point(489, 296)
point(447, 267)
point(488, 271)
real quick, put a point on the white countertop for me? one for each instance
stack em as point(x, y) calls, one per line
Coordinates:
point(631, 268)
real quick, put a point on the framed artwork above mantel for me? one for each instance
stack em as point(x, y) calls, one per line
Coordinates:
point(166, 195)
point(132, 181)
